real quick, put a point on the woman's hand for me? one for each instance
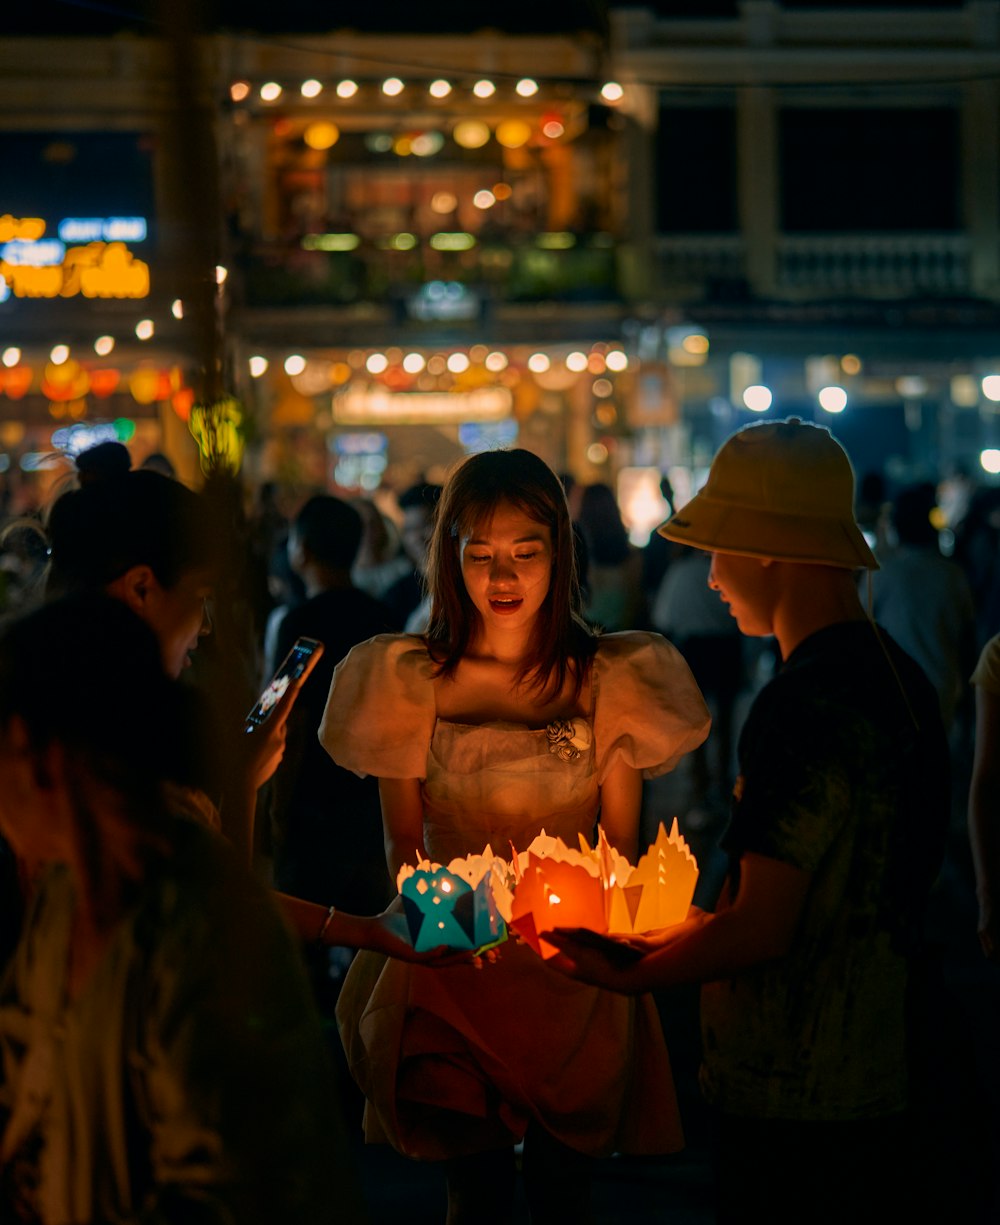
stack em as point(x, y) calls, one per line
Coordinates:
point(264, 747)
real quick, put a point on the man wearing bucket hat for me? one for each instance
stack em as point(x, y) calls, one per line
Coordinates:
point(838, 819)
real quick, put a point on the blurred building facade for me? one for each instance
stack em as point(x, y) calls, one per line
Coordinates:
point(613, 245)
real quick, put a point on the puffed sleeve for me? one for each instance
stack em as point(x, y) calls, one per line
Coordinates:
point(648, 709)
point(380, 713)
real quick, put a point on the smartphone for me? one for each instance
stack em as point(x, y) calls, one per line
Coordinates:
point(298, 662)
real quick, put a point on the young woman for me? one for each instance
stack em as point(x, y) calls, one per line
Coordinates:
point(159, 1057)
point(506, 718)
point(146, 540)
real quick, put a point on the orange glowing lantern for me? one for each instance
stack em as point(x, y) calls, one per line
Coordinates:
point(182, 402)
point(104, 382)
point(597, 888)
point(17, 382)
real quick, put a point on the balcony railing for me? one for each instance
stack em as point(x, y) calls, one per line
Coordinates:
point(543, 267)
point(817, 266)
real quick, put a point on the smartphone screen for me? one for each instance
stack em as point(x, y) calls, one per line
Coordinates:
point(298, 661)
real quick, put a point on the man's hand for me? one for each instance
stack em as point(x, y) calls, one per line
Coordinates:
point(598, 964)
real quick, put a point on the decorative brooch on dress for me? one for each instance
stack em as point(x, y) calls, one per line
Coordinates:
point(568, 738)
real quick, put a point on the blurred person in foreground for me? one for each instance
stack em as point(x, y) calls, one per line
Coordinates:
point(812, 962)
point(159, 1056)
point(984, 797)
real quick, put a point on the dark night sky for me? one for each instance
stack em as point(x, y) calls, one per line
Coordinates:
point(139, 16)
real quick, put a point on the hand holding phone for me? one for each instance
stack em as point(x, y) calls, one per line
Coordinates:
point(266, 724)
point(296, 665)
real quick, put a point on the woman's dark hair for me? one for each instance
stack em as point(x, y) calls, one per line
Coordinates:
point(87, 672)
point(99, 532)
point(562, 644)
point(601, 526)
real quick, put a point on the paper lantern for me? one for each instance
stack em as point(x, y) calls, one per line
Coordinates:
point(597, 888)
point(452, 906)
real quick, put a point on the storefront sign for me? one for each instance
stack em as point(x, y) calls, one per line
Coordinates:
point(33, 266)
point(363, 405)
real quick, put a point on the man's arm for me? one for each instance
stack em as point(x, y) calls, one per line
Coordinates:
point(758, 927)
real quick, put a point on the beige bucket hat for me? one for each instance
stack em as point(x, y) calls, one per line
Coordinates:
point(781, 490)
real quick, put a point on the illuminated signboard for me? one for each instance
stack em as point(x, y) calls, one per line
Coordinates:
point(88, 258)
point(377, 405)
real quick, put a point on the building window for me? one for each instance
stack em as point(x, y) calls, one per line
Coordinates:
point(696, 170)
point(869, 169)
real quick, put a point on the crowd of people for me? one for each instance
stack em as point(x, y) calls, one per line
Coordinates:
point(183, 895)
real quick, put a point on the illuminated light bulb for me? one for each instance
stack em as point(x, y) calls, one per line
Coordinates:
point(616, 361)
point(758, 398)
point(495, 362)
point(695, 343)
point(832, 399)
point(258, 366)
point(347, 88)
point(458, 363)
point(611, 91)
point(444, 202)
point(470, 134)
point(220, 274)
point(177, 308)
point(538, 363)
point(484, 199)
point(577, 362)
point(552, 129)
point(270, 92)
point(11, 356)
point(426, 144)
point(439, 88)
point(413, 363)
point(850, 363)
point(526, 87)
point(59, 355)
point(377, 363)
point(446, 886)
point(321, 135)
point(392, 87)
point(295, 364)
point(311, 88)
point(991, 387)
point(239, 91)
point(989, 460)
point(602, 388)
point(597, 453)
point(513, 133)
point(484, 89)
point(554, 899)
point(103, 345)
point(144, 329)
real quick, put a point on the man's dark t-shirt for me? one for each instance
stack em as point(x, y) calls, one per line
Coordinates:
point(843, 774)
point(326, 822)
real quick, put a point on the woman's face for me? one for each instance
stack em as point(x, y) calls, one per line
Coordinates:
point(507, 567)
point(179, 616)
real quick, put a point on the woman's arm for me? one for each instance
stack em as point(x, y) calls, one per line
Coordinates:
point(984, 819)
point(621, 803)
point(402, 822)
point(384, 933)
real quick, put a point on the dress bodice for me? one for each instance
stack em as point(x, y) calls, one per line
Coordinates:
point(501, 784)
